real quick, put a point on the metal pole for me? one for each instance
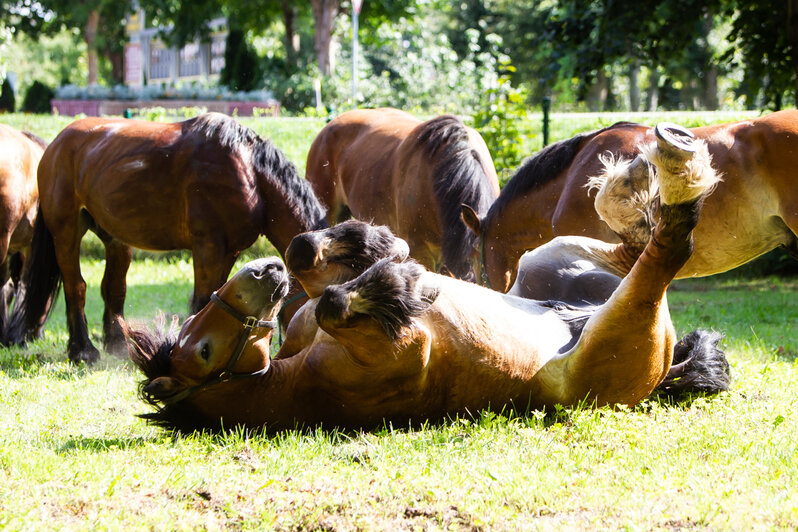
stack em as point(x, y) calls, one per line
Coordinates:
point(354, 58)
point(546, 107)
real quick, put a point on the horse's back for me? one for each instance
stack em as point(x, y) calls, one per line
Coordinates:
point(151, 185)
point(351, 159)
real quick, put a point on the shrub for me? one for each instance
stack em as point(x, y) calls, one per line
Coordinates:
point(37, 99)
point(8, 101)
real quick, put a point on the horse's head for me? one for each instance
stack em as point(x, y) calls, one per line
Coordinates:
point(214, 344)
point(322, 258)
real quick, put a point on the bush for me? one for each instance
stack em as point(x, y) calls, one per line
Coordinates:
point(37, 99)
point(241, 70)
point(8, 101)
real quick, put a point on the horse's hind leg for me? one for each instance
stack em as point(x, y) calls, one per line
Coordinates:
point(626, 348)
point(114, 289)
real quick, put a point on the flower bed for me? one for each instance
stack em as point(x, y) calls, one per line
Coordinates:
point(72, 107)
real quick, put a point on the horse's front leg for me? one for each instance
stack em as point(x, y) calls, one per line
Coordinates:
point(114, 289)
point(212, 265)
point(79, 348)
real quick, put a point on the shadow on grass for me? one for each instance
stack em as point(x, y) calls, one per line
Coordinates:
point(103, 444)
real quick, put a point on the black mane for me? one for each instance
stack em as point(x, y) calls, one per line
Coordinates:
point(267, 161)
point(544, 167)
point(387, 289)
point(459, 179)
point(150, 351)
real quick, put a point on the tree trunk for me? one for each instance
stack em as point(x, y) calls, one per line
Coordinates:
point(634, 85)
point(710, 96)
point(324, 13)
point(652, 97)
point(597, 93)
point(792, 38)
point(290, 13)
point(90, 36)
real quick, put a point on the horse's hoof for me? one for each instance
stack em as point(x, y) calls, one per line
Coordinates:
point(117, 348)
point(89, 356)
point(672, 136)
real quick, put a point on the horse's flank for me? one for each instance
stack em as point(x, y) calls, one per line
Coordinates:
point(751, 211)
point(387, 167)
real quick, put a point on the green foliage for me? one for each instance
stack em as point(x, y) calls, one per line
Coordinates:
point(760, 45)
point(54, 60)
point(37, 99)
point(499, 120)
point(8, 100)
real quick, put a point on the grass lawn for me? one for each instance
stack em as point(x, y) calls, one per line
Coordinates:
point(74, 456)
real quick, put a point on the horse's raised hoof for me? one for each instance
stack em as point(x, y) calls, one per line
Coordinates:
point(672, 137)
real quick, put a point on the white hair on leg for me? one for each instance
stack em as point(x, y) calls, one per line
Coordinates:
point(624, 195)
point(682, 176)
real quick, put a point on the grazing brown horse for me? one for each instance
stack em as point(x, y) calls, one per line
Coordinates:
point(20, 153)
point(207, 184)
point(751, 211)
point(400, 344)
point(387, 167)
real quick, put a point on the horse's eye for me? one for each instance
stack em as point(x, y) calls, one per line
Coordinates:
point(205, 352)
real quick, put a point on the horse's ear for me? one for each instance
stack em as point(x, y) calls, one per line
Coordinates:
point(471, 219)
point(161, 387)
point(400, 250)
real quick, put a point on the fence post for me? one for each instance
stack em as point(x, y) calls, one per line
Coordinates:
point(546, 106)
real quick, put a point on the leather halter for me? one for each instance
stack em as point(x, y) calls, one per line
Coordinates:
point(249, 323)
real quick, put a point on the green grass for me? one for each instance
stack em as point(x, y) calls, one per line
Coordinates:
point(74, 456)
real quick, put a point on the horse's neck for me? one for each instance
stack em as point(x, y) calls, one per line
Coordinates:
point(288, 209)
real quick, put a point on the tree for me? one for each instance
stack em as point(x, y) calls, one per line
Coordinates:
point(101, 23)
point(764, 41)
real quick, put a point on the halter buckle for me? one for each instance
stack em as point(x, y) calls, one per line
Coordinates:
point(250, 322)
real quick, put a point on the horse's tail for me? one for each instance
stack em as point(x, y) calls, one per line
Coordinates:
point(699, 365)
point(41, 280)
point(36, 139)
point(460, 179)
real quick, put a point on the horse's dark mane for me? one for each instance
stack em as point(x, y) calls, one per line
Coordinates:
point(267, 161)
point(150, 351)
point(544, 167)
point(271, 162)
point(36, 138)
point(390, 290)
point(459, 179)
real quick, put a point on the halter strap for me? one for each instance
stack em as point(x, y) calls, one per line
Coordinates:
point(483, 273)
point(249, 323)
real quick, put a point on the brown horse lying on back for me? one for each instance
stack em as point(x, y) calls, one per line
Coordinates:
point(752, 210)
point(402, 344)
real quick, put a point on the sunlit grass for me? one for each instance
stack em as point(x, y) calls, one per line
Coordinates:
point(73, 454)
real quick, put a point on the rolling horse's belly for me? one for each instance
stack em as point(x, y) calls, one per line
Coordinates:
point(717, 251)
